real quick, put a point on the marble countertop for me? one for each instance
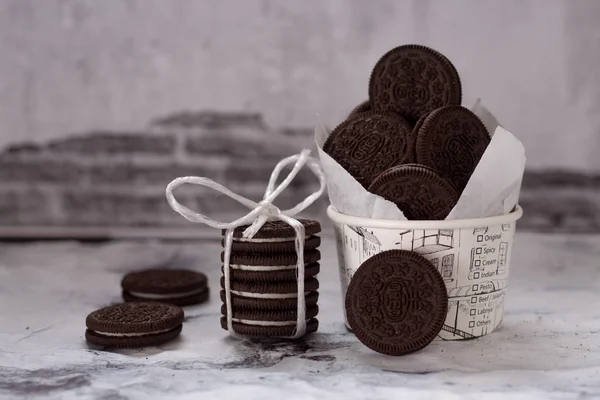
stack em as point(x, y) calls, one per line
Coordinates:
point(547, 348)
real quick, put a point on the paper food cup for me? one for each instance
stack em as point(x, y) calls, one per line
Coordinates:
point(472, 256)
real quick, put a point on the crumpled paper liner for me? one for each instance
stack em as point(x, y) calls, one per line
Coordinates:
point(492, 190)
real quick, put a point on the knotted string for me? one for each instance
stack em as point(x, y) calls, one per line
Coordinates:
point(260, 213)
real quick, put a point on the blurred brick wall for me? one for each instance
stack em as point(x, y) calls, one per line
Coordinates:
point(117, 179)
point(560, 201)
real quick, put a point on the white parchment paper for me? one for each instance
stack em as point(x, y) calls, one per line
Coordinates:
point(492, 190)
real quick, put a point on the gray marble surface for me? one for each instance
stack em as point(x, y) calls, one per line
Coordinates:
point(548, 347)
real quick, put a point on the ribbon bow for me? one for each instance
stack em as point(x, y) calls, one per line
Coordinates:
point(260, 213)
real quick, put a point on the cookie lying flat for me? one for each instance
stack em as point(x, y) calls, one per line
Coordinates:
point(134, 324)
point(275, 245)
point(255, 303)
point(269, 323)
point(270, 290)
point(271, 318)
point(264, 274)
point(270, 261)
point(270, 331)
point(276, 230)
point(271, 267)
point(181, 287)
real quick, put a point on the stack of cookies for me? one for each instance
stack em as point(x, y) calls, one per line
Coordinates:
point(263, 280)
point(412, 143)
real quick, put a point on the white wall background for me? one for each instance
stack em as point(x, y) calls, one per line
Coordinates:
point(67, 66)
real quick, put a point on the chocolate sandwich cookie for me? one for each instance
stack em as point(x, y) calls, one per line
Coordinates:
point(175, 286)
point(274, 245)
point(452, 140)
point(413, 80)
point(254, 303)
point(262, 273)
point(275, 231)
point(277, 316)
point(269, 262)
point(271, 267)
point(134, 324)
point(361, 108)
point(270, 331)
point(369, 144)
point(419, 192)
point(270, 290)
point(269, 323)
point(396, 302)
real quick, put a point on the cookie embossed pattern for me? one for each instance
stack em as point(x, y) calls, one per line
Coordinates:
point(396, 302)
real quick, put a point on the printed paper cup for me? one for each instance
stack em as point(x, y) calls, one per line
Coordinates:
point(472, 256)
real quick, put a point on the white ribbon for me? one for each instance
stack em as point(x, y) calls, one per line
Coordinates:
point(261, 213)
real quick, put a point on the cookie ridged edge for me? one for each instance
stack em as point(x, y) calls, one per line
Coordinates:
point(270, 331)
point(132, 342)
point(363, 335)
point(404, 128)
point(274, 259)
point(133, 281)
point(310, 270)
point(271, 315)
point(311, 227)
point(310, 243)
point(422, 171)
point(310, 284)
point(167, 322)
point(436, 53)
point(423, 150)
point(311, 299)
point(192, 299)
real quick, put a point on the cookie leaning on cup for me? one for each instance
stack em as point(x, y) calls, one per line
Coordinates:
point(396, 302)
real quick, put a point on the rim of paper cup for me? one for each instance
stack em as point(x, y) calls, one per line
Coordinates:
point(352, 220)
